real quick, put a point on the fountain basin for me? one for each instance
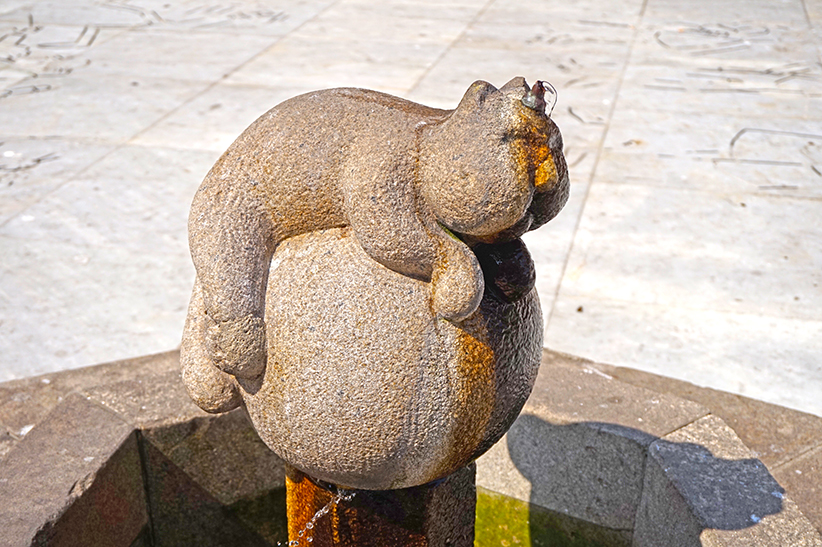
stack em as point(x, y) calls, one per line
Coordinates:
point(577, 468)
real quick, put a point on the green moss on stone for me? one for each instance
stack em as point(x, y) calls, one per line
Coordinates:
point(503, 521)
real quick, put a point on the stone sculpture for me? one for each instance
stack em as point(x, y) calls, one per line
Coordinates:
point(361, 287)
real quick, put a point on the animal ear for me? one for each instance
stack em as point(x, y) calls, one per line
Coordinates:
point(516, 84)
point(476, 95)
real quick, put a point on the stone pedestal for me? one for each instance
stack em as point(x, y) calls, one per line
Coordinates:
point(436, 514)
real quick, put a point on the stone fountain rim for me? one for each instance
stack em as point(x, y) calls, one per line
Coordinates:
point(137, 396)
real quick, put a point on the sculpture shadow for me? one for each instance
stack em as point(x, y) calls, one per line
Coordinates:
point(598, 473)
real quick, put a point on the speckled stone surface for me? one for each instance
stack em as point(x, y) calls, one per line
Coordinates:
point(195, 463)
point(365, 386)
point(396, 333)
point(403, 176)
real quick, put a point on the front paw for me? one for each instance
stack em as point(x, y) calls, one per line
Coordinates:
point(457, 292)
point(238, 346)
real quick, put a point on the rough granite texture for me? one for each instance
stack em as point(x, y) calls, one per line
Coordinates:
point(787, 441)
point(184, 512)
point(580, 445)
point(775, 434)
point(802, 478)
point(75, 480)
point(645, 463)
point(361, 286)
point(25, 402)
point(195, 463)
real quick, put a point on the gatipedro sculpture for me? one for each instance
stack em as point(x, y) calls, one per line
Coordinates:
point(361, 286)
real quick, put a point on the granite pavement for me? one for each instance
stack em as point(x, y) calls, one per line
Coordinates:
point(691, 245)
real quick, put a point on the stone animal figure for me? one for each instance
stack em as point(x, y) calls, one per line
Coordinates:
point(417, 186)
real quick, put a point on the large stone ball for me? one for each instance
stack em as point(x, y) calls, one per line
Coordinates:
point(365, 387)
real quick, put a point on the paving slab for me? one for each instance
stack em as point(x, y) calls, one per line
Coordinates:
point(585, 435)
point(214, 119)
point(788, 442)
point(55, 330)
point(149, 401)
point(73, 13)
point(32, 168)
point(769, 90)
point(693, 109)
point(107, 108)
point(721, 100)
point(640, 244)
point(38, 55)
point(756, 356)
point(26, 402)
point(373, 64)
point(145, 192)
point(604, 15)
point(706, 11)
point(776, 435)
point(172, 54)
point(580, 444)
point(433, 24)
point(244, 17)
point(223, 454)
point(802, 477)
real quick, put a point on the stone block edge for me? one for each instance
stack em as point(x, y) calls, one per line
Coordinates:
point(134, 369)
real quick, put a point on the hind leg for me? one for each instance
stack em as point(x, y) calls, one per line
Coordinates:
point(212, 389)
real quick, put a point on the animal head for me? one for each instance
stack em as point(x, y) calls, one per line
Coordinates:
point(494, 168)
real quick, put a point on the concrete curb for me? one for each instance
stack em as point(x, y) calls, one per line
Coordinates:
point(118, 452)
point(649, 467)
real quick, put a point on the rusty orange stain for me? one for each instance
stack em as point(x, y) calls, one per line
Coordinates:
point(361, 522)
point(532, 153)
point(546, 175)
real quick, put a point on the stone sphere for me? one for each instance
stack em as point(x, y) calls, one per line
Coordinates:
point(364, 387)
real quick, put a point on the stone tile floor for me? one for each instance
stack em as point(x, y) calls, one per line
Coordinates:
point(691, 246)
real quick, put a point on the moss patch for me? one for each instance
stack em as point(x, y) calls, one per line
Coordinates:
point(503, 521)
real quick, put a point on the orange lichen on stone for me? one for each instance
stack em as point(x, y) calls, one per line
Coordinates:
point(475, 400)
point(546, 175)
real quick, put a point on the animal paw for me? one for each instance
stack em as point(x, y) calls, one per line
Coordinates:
point(213, 390)
point(508, 269)
point(238, 346)
point(457, 286)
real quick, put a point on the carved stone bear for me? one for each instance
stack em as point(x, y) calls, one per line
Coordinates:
point(416, 186)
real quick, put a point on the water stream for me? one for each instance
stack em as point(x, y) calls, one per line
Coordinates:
point(340, 495)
